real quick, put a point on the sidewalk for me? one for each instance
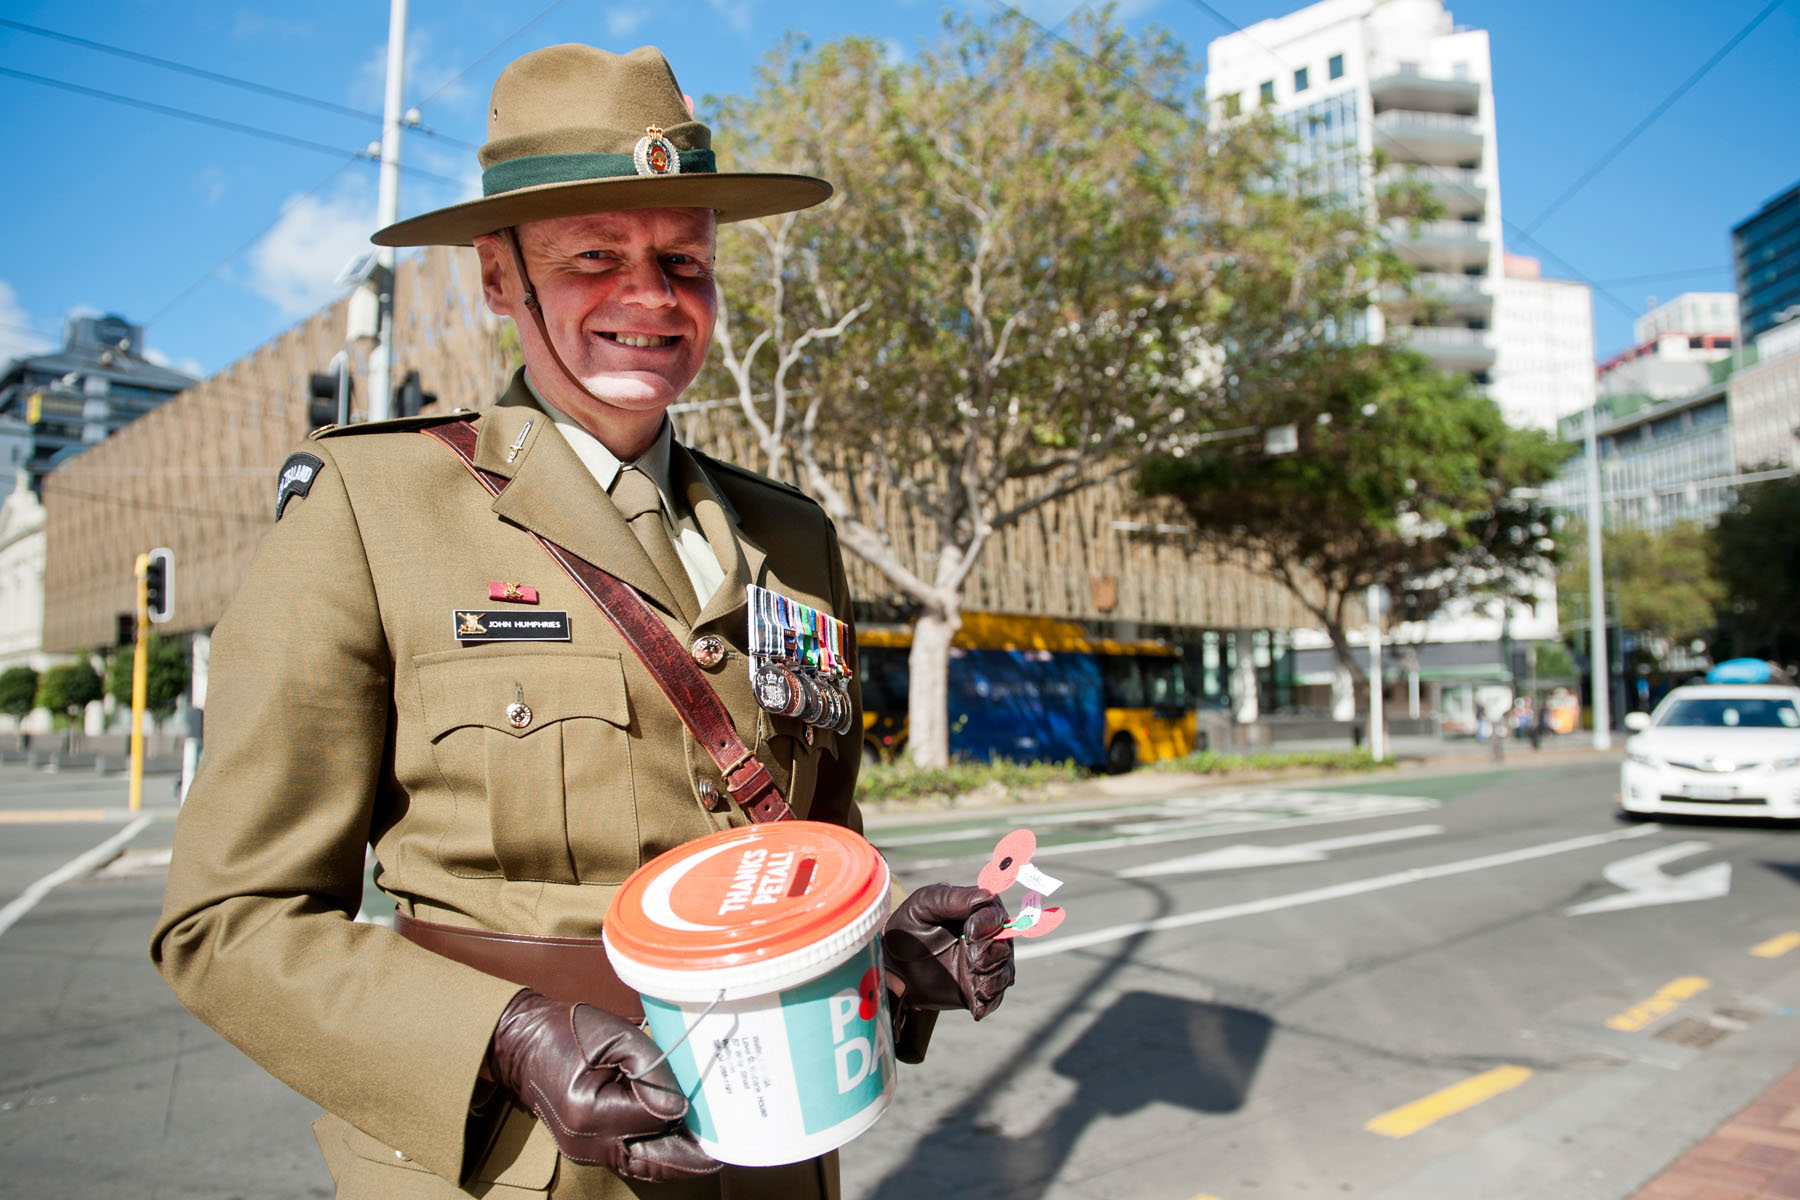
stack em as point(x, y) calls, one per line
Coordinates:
point(1753, 1156)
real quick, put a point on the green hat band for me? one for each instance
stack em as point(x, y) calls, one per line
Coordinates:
point(534, 169)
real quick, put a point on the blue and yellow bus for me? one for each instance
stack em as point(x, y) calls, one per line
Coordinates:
point(1035, 689)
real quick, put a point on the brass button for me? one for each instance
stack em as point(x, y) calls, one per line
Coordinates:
point(518, 714)
point(708, 650)
point(710, 797)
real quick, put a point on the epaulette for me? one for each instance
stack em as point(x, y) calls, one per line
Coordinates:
point(747, 474)
point(395, 424)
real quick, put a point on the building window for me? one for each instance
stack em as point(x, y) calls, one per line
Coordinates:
point(1268, 91)
point(1300, 80)
point(1232, 105)
point(1335, 66)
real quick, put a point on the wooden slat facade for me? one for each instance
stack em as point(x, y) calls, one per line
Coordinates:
point(198, 475)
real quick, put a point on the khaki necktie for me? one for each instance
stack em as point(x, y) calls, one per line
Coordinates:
point(641, 505)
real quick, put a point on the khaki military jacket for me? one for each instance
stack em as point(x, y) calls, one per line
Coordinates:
point(343, 713)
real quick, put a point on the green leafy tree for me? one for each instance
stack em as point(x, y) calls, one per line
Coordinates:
point(68, 688)
point(1041, 266)
point(166, 675)
point(1663, 584)
point(1403, 477)
point(1756, 551)
point(18, 692)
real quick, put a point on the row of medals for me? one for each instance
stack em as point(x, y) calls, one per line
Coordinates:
point(816, 698)
point(796, 663)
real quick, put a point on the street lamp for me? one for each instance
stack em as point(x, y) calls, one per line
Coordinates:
point(1600, 677)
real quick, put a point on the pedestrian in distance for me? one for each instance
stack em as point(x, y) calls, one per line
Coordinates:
point(416, 663)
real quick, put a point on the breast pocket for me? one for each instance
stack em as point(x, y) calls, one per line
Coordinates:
point(534, 745)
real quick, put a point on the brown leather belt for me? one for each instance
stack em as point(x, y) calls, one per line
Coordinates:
point(562, 968)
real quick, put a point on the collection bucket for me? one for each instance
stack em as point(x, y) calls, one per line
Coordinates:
point(756, 951)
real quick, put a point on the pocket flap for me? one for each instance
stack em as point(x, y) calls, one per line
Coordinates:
point(794, 727)
point(523, 1154)
point(458, 690)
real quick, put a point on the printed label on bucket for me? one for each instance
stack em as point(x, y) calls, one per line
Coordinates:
point(784, 1076)
point(838, 1032)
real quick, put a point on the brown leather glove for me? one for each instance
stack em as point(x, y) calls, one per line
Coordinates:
point(571, 1065)
point(940, 950)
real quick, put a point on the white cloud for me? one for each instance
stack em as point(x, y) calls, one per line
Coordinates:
point(623, 22)
point(17, 334)
point(425, 74)
point(187, 366)
point(210, 183)
point(295, 266)
point(735, 13)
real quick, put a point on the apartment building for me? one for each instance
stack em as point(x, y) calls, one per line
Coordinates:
point(1379, 91)
point(1544, 362)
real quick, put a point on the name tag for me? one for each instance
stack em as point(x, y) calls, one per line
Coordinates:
point(508, 625)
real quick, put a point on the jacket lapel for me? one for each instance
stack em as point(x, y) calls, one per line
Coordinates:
point(551, 493)
point(739, 556)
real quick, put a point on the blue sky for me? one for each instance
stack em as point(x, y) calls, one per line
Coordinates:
point(218, 239)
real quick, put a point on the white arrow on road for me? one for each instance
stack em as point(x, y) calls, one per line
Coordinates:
point(1641, 876)
point(1232, 858)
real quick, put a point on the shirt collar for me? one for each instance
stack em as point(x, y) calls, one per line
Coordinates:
point(602, 463)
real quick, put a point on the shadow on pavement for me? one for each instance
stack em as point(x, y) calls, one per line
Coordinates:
point(1146, 1048)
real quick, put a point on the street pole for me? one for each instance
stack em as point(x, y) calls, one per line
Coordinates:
point(1377, 735)
point(140, 676)
point(1600, 678)
point(381, 388)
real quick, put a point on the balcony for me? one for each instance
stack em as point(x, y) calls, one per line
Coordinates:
point(1429, 138)
point(1462, 192)
point(1409, 87)
point(1449, 347)
point(1462, 296)
point(1440, 247)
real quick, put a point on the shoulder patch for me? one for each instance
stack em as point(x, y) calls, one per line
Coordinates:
point(296, 478)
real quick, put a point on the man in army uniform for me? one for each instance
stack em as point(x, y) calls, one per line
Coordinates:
point(406, 667)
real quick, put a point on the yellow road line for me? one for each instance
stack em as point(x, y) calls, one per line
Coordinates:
point(1777, 946)
point(1671, 994)
point(53, 816)
point(1410, 1118)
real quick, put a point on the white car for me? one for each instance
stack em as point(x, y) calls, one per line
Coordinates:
point(1715, 750)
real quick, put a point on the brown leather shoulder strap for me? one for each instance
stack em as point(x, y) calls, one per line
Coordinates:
point(663, 656)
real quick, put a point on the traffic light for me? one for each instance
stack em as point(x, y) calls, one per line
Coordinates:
point(324, 406)
point(159, 583)
point(127, 630)
point(411, 396)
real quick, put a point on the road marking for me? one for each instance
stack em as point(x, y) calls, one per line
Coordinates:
point(1667, 998)
point(1643, 883)
point(79, 865)
point(1236, 857)
point(1410, 1118)
point(1777, 946)
point(1060, 944)
point(54, 816)
point(1219, 824)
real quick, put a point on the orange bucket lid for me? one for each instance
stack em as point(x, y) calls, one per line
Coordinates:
point(753, 908)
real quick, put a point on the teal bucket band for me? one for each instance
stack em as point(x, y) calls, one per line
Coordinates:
point(536, 169)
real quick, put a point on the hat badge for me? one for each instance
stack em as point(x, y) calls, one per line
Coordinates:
point(655, 154)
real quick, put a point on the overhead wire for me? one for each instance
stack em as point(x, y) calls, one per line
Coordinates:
point(1662, 107)
point(254, 238)
point(489, 53)
point(217, 122)
point(251, 85)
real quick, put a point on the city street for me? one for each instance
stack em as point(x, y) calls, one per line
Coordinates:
point(1422, 985)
